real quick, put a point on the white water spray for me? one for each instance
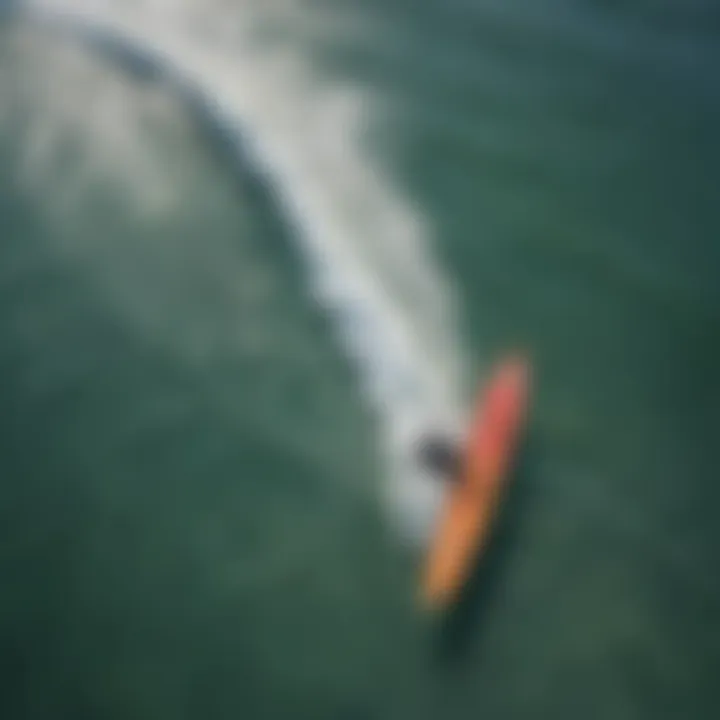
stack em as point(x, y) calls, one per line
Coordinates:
point(367, 255)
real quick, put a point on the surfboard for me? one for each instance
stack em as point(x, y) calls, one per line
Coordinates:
point(466, 518)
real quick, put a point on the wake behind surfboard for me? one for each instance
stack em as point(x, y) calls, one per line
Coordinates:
point(470, 507)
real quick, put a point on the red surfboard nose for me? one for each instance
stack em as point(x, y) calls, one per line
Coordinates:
point(501, 412)
point(512, 379)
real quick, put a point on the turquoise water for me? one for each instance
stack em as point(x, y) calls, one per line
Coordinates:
point(213, 360)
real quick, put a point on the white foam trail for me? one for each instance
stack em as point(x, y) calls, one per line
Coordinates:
point(366, 250)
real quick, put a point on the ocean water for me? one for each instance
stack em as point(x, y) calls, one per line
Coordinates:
point(250, 250)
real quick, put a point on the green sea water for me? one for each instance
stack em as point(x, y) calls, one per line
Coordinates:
point(193, 475)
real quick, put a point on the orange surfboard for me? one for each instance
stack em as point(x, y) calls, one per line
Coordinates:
point(471, 505)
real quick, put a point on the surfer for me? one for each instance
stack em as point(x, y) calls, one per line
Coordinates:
point(441, 455)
